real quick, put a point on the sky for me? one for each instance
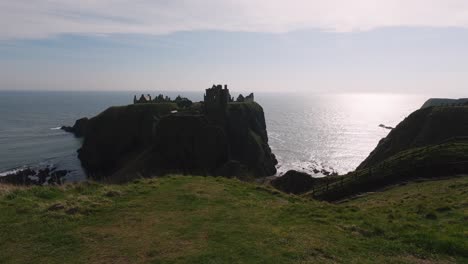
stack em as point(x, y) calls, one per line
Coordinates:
point(330, 46)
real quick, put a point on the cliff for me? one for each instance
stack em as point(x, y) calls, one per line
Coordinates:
point(424, 127)
point(151, 139)
point(430, 143)
point(79, 128)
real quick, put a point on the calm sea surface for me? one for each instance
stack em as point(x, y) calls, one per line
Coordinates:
point(334, 132)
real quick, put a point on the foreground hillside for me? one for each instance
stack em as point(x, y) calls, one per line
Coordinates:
point(219, 220)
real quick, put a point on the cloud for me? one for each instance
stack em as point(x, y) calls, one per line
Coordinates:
point(45, 18)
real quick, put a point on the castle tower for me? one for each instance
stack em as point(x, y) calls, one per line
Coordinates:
point(215, 101)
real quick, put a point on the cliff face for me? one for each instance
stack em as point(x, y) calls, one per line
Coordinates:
point(114, 136)
point(189, 144)
point(426, 126)
point(148, 139)
point(248, 139)
point(79, 128)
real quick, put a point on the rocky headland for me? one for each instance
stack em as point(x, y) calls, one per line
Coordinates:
point(79, 128)
point(426, 126)
point(219, 136)
point(444, 102)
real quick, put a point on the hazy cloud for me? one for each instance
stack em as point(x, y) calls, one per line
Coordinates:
point(45, 18)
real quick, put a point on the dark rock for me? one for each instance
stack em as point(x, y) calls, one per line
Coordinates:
point(35, 177)
point(248, 139)
point(42, 175)
point(79, 128)
point(56, 177)
point(232, 168)
point(118, 135)
point(386, 127)
point(294, 182)
point(21, 177)
point(189, 144)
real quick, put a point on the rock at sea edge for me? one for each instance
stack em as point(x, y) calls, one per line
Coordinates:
point(294, 182)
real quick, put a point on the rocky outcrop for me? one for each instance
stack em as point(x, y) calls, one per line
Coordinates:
point(152, 139)
point(117, 135)
point(29, 176)
point(294, 182)
point(248, 139)
point(386, 127)
point(232, 168)
point(426, 126)
point(79, 128)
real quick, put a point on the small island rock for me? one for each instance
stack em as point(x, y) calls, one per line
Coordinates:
point(294, 182)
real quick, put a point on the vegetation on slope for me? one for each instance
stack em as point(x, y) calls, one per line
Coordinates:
point(423, 127)
point(432, 161)
point(187, 219)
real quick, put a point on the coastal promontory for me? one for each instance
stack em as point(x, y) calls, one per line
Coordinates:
point(218, 136)
point(424, 127)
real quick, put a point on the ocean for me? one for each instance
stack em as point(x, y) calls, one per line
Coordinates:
point(334, 132)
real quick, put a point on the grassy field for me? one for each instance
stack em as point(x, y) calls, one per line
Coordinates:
point(217, 220)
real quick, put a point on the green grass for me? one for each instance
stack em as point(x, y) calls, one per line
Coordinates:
point(185, 219)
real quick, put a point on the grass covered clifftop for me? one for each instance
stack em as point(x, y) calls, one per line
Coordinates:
point(432, 161)
point(188, 219)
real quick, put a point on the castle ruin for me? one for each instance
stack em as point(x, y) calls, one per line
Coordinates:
point(217, 97)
